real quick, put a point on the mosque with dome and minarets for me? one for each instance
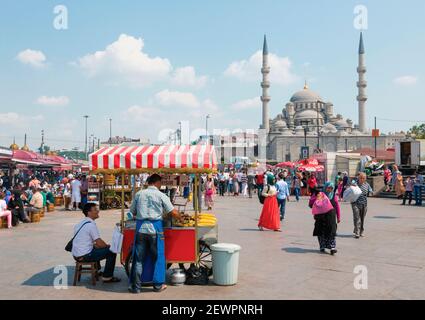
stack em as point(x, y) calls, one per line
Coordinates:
point(308, 120)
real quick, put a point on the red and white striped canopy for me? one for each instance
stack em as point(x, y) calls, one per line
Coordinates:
point(198, 158)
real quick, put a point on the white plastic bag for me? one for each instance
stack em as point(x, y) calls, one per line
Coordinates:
point(352, 194)
point(116, 242)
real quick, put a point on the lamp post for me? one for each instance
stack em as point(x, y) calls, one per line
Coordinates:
point(85, 149)
point(110, 131)
point(180, 133)
point(318, 102)
point(206, 127)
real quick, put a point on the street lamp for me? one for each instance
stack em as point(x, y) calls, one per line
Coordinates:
point(180, 133)
point(318, 102)
point(110, 131)
point(206, 127)
point(85, 149)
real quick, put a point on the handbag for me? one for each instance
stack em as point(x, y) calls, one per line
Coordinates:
point(322, 204)
point(68, 246)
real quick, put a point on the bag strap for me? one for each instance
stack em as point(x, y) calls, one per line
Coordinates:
point(80, 229)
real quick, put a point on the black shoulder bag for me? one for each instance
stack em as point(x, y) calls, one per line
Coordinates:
point(68, 247)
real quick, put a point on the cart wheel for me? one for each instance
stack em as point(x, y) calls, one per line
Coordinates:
point(205, 257)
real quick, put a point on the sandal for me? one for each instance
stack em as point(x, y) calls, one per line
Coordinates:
point(162, 288)
point(111, 280)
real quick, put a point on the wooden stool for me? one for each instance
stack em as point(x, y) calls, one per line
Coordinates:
point(91, 267)
point(50, 207)
point(35, 217)
point(3, 223)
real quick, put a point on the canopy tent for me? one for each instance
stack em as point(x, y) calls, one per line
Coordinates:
point(166, 159)
point(287, 164)
point(40, 160)
point(5, 154)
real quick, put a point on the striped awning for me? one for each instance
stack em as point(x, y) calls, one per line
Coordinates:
point(185, 159)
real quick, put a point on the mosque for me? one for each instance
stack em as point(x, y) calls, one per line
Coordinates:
point(309, 121)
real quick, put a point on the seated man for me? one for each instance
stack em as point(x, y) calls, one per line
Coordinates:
point(36, 202)
point(87, 245)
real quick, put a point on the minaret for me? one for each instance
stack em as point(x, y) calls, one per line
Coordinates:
point(362, 84)
point(265, 98)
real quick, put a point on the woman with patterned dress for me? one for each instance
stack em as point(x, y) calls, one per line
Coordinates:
point(270, 216)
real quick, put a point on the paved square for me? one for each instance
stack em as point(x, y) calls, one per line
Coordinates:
point(272, 265)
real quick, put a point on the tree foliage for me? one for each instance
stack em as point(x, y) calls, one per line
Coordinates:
point(418, 131)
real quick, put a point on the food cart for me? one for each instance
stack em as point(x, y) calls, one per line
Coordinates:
point(182, 244)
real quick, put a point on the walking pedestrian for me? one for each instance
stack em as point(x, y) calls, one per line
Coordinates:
point(410, 182)
point(269, 218)
point(360, 206)
point(244, 181)
point(296, 185)
point(419, 182)
point(282, 195)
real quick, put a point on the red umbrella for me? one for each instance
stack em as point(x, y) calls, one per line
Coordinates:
point(287, 164)
point(311, 168)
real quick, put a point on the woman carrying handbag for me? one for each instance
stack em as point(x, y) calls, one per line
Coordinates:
point(325, 217)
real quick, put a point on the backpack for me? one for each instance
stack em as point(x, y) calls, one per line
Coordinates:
point(263, 198)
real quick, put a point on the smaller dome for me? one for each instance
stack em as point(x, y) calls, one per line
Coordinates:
point(280, 124)
point(308, 114)
point(328, 128)
point(25, 148)
point(14, 146)
point(342, 123)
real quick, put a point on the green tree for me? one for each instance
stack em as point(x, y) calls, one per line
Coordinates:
point(418, 131)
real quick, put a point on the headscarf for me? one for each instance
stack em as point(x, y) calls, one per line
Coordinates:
point(327, 185)
point(271, 180)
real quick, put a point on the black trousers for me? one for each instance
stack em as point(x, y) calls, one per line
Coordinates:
point(408, 194)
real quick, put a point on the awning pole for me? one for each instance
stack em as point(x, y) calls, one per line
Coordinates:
point(122, 202)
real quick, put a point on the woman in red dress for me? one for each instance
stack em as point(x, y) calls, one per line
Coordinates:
point(270, 217)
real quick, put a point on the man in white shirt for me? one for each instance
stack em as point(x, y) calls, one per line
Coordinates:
point(76, 193)
point(87, 245)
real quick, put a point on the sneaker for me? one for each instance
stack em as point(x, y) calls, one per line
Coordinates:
point(322, 250)
point(333, 251)
point(356, 236)
point(362, 235)
point(134, 291)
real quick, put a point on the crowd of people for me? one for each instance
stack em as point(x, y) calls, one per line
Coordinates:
point(24, 194)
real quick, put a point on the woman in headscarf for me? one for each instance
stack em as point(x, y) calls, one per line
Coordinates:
point(209, 193)
point(399, 185)
point(326, 222)
point(270, 216)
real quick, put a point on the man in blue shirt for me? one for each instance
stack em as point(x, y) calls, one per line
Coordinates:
point(282, 195)
point(148, 207)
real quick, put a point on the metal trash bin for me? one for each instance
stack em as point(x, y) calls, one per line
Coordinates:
point(225, 258)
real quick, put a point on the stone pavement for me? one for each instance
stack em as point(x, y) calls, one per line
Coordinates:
point(272, 265)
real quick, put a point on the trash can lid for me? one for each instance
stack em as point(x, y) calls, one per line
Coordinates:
point(227, 247)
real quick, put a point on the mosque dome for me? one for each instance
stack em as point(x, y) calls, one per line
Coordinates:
point(306, 95)
point(308, 114)
point(25, 148)
point(14, 146)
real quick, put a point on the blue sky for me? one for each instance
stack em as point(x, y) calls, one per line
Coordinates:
point(181, 72)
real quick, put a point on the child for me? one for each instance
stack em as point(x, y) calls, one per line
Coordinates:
point(410, 183)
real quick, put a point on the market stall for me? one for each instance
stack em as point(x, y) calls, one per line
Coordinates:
point(187, 243)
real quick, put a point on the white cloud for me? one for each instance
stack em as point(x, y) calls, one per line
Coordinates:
point(175, 98)
point(247, 104)
point(8, 118)
point(249, 70)
point(33, 58)
point(186, 77)
point(53, 101)
point(125, 62)
point(406, 81)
